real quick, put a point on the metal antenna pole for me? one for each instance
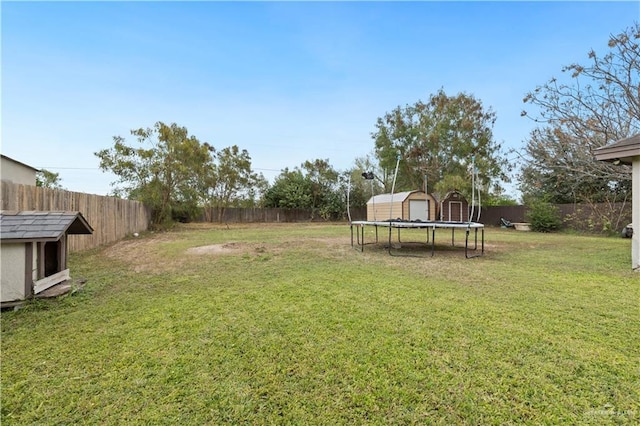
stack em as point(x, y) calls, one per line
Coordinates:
point(348, 191)
point(473, 187)
point(479, 204)
point(426, 203)
point(393, 186)
point(373, 201)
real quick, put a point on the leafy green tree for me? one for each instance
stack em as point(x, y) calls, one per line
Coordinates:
point(499, 200)
point(316, 185)
point(230, 180)
point(165, 172)
point(323, 178)
point(596, 104)
point(438, 140)
point(48, 179)
point(362, 189)
point(291, 189)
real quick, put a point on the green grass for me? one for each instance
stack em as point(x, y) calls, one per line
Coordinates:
point(296, 327)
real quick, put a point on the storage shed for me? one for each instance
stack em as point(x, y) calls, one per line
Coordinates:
point(33, 247)
point(408, 206)
point(454, 207)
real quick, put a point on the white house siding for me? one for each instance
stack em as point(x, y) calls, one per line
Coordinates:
point(12, 277)
point(14, 171)
point(635, 215)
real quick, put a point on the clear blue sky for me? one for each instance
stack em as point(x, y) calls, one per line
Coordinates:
point(288, 81)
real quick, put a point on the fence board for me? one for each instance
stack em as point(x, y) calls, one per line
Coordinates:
point(111, 218)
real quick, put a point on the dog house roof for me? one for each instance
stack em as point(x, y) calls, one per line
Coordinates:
point(16, 226)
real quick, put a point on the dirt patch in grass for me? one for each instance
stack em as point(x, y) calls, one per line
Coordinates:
point(228, 248)
point(149, 253)
point(143, 254)
point(128, 248)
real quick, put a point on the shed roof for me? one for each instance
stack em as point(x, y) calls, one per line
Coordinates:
point(623, 150)
point(41, 225)
point(387, 198)
point(451, 193)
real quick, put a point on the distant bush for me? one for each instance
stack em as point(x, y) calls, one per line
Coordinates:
point(499, 200)
point(543, 216)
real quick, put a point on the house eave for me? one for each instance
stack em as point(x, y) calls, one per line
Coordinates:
point(623, 155)
point(624, 151)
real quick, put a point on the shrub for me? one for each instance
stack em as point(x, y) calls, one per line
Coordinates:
point(544, 217)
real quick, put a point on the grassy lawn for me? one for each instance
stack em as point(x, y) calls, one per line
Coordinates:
point(287, 324)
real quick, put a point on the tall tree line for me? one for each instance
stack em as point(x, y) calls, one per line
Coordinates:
point(437, 141)
point(175, 174)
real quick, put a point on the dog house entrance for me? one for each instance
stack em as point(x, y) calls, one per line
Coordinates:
point(51, 258)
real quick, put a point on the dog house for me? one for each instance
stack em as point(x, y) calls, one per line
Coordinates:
point(454, 208)
point(34, 250)
point(406, 206)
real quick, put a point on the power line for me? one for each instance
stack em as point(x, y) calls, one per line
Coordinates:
point(70, 168)
point(266, 170)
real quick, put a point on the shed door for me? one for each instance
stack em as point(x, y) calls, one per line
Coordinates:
point(418, 209)
point(455, 211)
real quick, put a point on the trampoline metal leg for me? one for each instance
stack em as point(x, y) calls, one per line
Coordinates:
point(351, 228)
point(433, 241)
point(466, 244)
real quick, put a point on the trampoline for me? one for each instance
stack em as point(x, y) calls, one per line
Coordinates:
point(430, 227)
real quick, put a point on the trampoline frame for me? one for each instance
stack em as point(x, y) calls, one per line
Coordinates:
point(360, 225)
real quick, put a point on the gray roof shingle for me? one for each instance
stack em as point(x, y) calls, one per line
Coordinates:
point(41, 225)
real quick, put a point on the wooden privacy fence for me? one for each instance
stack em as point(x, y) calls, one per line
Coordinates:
point(597, 218)
point(250, 215)
point(111, 218)
point(269, 215)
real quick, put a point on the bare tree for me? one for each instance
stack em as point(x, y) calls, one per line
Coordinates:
point(598, 104)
